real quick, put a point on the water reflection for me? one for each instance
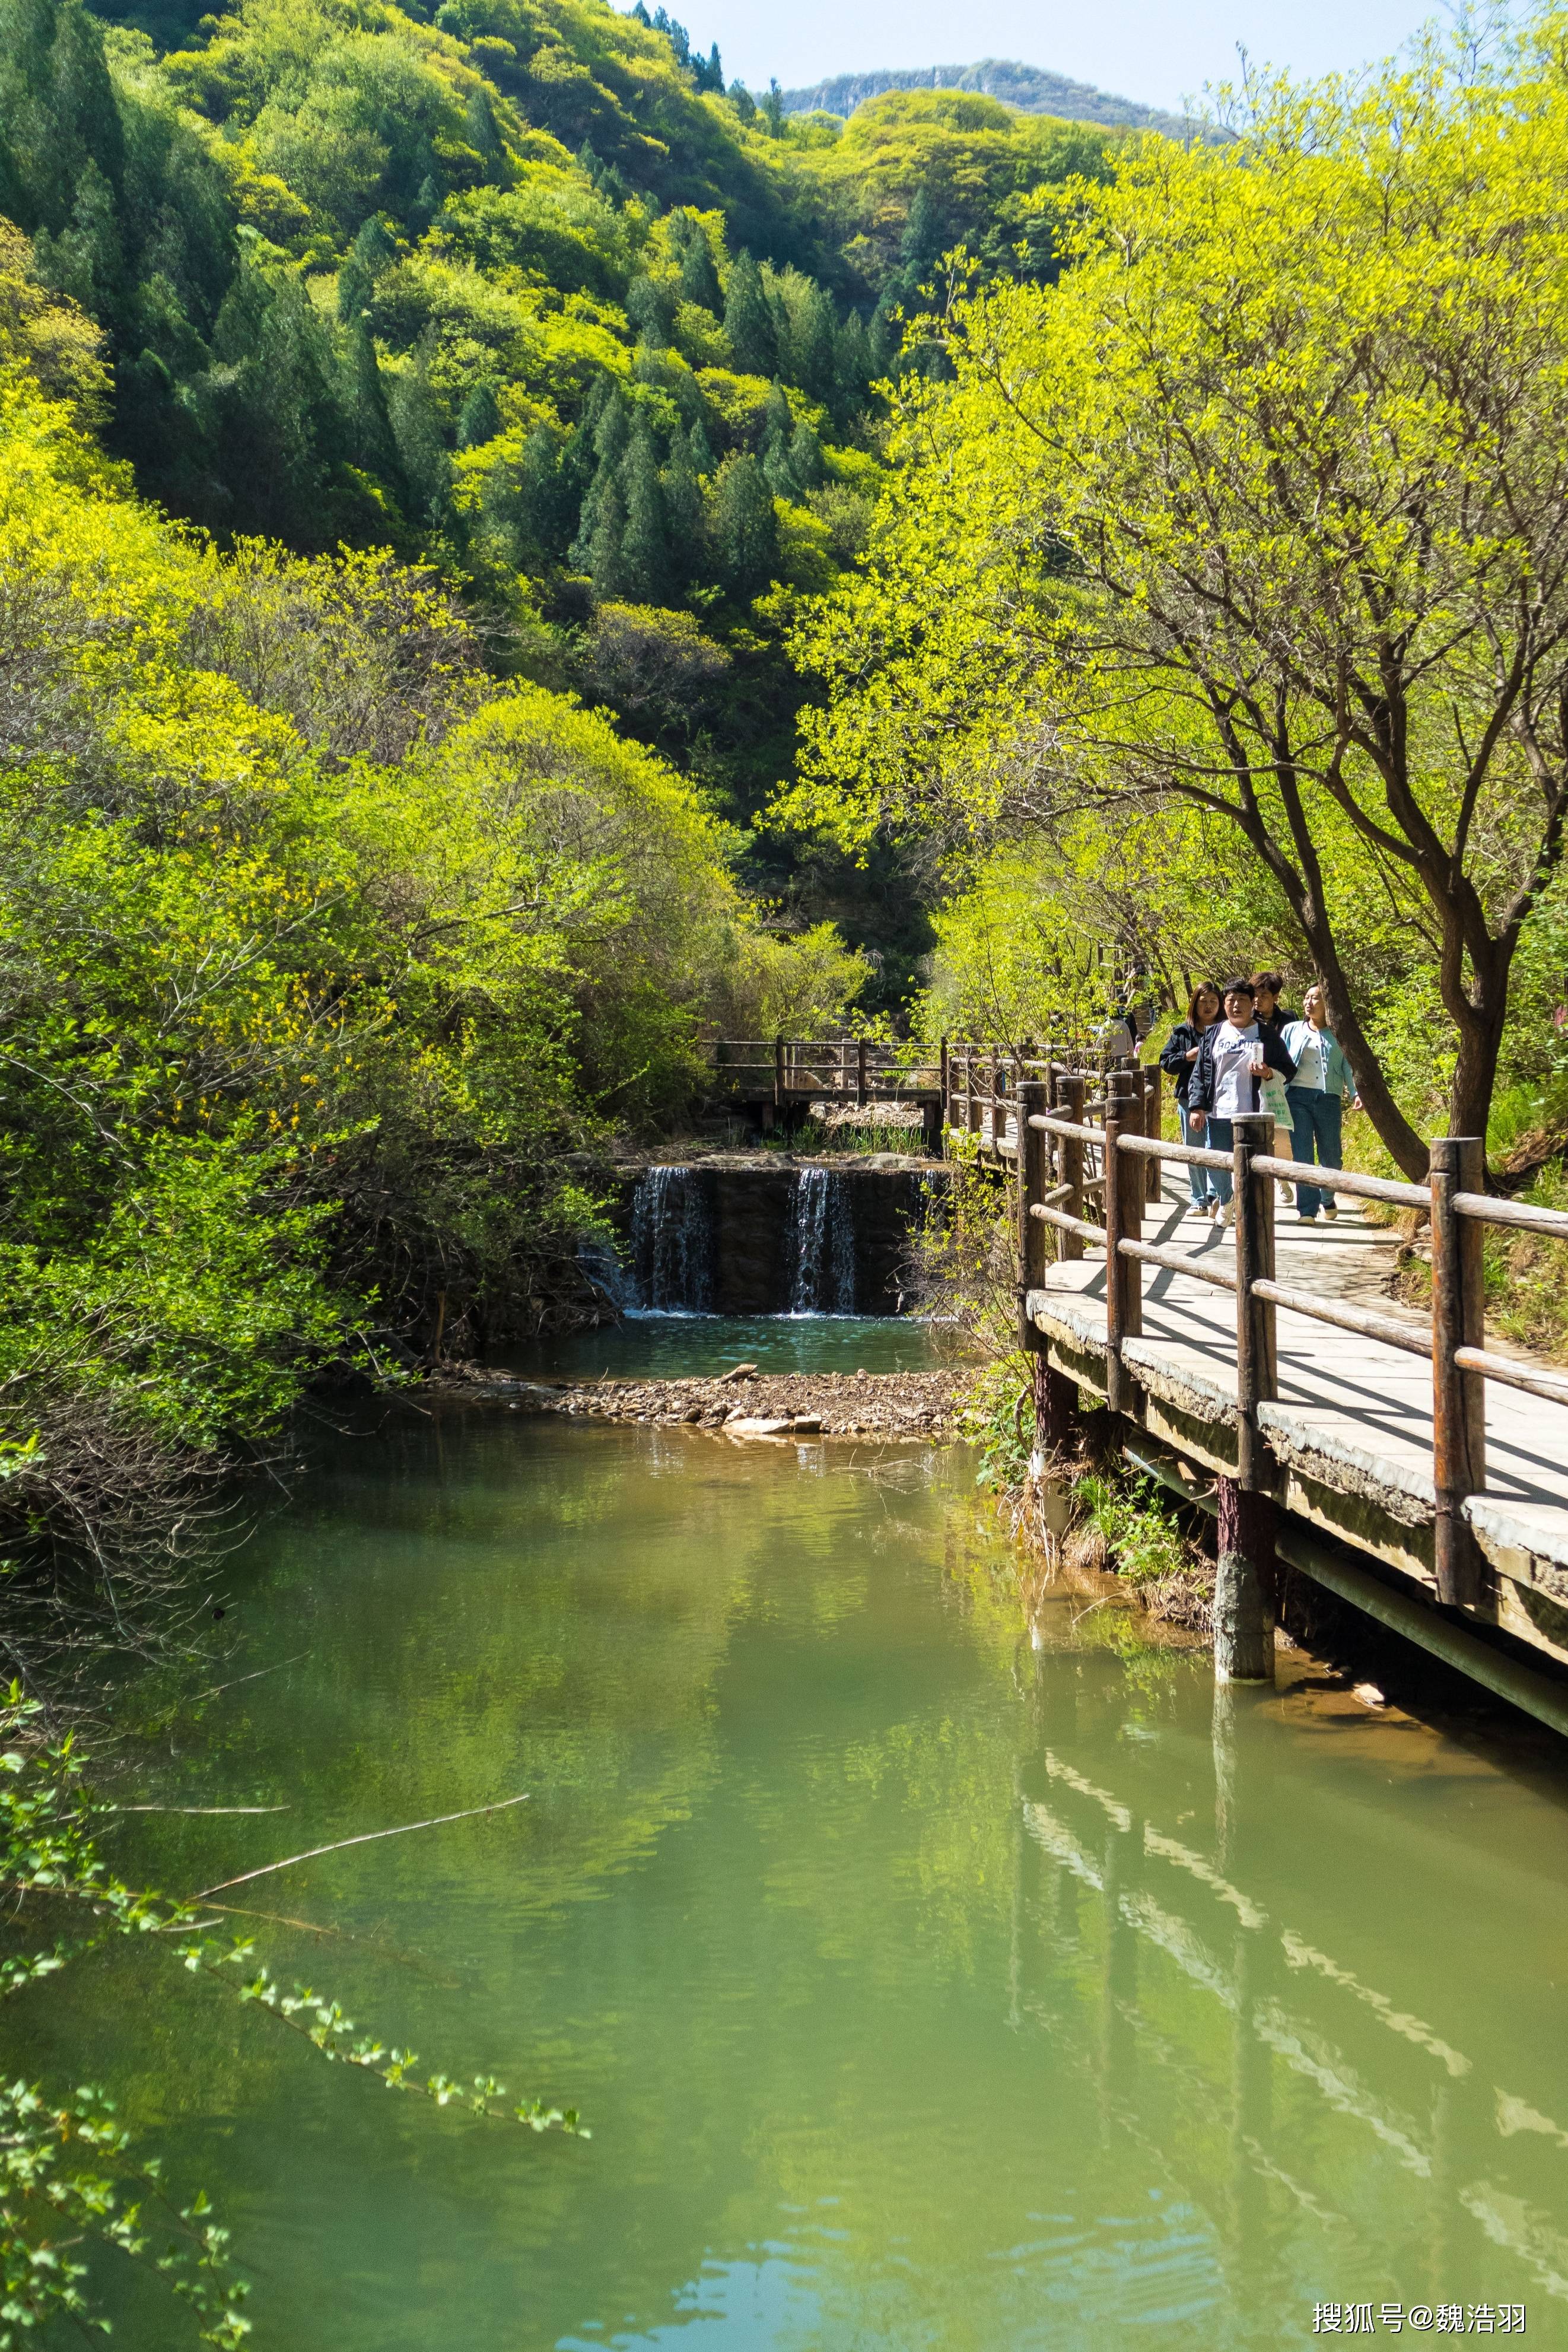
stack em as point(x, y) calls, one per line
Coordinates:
point(924, 1986)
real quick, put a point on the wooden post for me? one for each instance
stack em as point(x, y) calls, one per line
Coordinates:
point(1256, 1361)
point(1244, 1586)
point(944, 1085)
point(778, 1072)
point(1069, 1094)
point(1152, 1116)
point(1459, 1399)
point(972, 1099)
point(995, 1090)
point(1124, 1217)
point(859, 1072)
point(1033, 1183)
point(1244, 1580)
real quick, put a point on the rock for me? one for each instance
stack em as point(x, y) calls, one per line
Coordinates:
point(753, 1426)
point(807, 1424)
point(738, 1372)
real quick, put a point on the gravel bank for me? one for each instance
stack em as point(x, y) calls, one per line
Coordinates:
point(762, 1404)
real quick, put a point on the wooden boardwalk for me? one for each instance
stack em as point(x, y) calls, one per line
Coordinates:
point(1350, 1426)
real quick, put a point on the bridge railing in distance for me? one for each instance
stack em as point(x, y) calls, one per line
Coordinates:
point(845, 1068)
point(1061, 1144)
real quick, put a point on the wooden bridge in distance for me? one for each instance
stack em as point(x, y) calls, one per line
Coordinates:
point(1391, 1455)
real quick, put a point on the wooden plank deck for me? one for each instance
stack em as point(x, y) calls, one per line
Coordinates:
point(1351, 1428)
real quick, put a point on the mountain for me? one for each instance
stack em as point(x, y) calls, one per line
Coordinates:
point(1028, 87)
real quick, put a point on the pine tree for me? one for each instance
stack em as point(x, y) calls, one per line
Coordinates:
point(58, 111)
point(613, 429)
point(743, 525)
point(602, 498)
point(920, 248)
point(699, 278)
point(87, 260)
point(649, 310)
point(773, 110)
point(645, 556)
point(421, 447)
point(699, 450)
point(374, 444)
point(602, 554)
point(480, 418)
point(813, 345)
point(852, 369)
point(748, 321)
point(806, 457)
point(778, 425)
point(356, 288)
point(776, 467)
point(682, 514)
point(483, 134)
point(709, 71)
point(883, 343)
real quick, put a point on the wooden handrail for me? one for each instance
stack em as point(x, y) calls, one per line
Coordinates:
point(1052, 1172)
point(1364, 1320)
point(1487, 1209)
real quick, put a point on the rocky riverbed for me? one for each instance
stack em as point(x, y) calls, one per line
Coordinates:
point(743, 1403)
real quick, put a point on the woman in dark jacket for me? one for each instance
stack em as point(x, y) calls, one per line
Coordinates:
point(1179, 1056)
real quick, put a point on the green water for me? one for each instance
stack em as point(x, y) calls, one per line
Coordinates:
point(925, 1985)
point(671, 1347)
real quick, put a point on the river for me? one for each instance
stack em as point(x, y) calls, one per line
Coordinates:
point(924, 1982)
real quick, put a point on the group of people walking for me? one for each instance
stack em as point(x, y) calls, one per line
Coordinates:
point(1239, 1051)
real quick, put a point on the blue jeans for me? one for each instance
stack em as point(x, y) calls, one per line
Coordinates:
point(1201, 1180)
point(1314, 1121)
point(1220, 1134)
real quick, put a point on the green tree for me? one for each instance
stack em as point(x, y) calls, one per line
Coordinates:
point(1263, 510)
point(699, 278)
point(480, 418)
point(644, 551)
point(747, 321)
point(421, 445)
point(743, 526)
point(683, 498)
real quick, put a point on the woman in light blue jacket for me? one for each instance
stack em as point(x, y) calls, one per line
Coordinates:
point(1317, 1095)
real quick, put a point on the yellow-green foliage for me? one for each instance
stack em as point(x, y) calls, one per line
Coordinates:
point(317, 953)
point(1259, 509)
point(974, 159)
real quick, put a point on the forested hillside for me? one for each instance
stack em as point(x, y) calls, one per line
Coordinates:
point(517, 290)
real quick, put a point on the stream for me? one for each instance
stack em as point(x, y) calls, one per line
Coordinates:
point(923, 1982)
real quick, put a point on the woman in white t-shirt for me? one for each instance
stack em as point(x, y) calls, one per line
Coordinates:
point(1233, 1058)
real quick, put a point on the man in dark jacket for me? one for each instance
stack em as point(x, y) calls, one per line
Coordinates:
point(1227, 1074)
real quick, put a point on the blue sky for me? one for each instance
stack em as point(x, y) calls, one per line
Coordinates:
point(1145, 49)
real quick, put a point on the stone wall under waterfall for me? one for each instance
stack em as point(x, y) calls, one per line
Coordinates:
point(736, 1235)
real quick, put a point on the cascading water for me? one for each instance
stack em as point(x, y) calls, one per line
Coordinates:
point(672, 1242)
point(823, 1280)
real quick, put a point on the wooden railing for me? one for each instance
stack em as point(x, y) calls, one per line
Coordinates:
point(854, 1069)
point(974, 1079)
point(1067, 1160)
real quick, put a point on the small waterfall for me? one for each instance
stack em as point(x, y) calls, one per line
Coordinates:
point(823, 1281)
point(605, 1275)
point(672, 1242)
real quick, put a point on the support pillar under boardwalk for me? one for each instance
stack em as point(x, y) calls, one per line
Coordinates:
point(1053, 1396)
point(1244, 1586)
